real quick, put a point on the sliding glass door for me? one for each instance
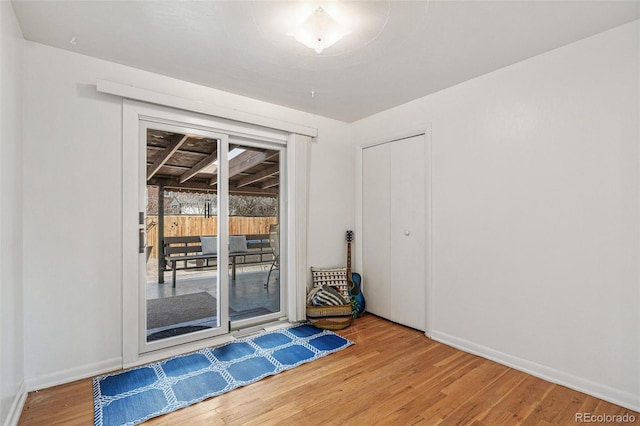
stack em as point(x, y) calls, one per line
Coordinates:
point(210, 231)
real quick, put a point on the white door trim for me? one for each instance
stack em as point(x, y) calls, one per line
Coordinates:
point(128, 91)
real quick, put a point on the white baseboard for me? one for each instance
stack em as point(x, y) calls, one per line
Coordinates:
point(598, 390)
point(16, 408)
point(73, 374)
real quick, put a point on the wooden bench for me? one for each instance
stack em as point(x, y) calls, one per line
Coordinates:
point(180, 253)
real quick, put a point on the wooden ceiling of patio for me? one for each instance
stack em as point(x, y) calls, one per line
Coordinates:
point(186, 163)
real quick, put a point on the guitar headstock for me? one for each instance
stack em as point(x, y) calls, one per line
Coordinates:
point(349, 236)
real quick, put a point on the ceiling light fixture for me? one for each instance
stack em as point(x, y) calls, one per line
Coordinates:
point(319, 31)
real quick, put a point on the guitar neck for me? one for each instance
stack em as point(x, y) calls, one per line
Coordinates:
point(349, 260)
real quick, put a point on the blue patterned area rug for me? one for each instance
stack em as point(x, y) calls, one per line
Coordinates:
point(133, 396)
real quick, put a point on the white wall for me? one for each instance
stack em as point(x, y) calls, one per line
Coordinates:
point(11, 311)
point(331, 205)
point(536, 213)
point(72, 198)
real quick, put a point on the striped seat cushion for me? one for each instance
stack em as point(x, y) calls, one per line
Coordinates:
point(325, 296)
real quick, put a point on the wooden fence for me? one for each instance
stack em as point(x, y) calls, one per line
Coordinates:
point(186, 225)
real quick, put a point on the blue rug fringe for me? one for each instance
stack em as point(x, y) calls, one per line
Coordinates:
point(133, 396)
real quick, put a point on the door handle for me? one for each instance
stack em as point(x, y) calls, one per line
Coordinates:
point(141, 241)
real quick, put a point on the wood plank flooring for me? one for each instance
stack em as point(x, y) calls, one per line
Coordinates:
point(392, 375)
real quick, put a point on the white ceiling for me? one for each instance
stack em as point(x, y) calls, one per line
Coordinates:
point(236, 47)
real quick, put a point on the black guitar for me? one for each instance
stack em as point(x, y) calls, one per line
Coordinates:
point(355, 282)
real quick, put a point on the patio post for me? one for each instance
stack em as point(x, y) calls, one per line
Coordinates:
point(161, 259)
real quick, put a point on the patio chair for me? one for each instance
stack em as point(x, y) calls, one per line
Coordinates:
point(274, 242)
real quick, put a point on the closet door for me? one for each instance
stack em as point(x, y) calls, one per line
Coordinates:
point(375, 229)
point(394, 231)
point(407, 237)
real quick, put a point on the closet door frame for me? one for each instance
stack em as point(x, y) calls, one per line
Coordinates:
point(424, 131)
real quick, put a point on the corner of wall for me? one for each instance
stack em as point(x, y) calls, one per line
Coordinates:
point(12, 386)
point(13, 416)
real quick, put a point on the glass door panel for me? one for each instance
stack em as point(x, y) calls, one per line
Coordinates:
point(185, 296)
point(254, 234)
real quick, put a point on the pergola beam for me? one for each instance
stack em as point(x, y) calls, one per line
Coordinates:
point(245, 161)
point(254, 191)
point(270, 183)
point(175, 144)
point(203, 164)
point(268, 172)
point(174, 184)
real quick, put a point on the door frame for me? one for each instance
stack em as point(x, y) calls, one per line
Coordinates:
point(424, 131)
point(293, 237)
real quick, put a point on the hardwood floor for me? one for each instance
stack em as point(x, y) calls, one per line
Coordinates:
point(392, 375)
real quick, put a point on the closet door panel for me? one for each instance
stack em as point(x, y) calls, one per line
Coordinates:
point(407, 232)
point(375, 229)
